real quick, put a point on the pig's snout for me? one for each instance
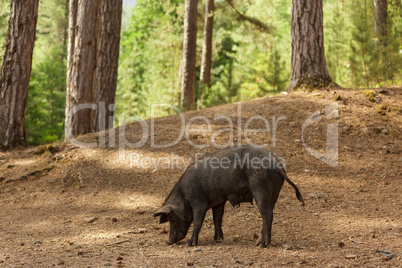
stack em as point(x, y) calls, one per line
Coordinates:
point(175, 237)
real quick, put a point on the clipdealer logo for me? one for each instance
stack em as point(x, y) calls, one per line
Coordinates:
point(238, 131)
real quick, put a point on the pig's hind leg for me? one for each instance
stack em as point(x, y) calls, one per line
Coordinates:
point(218, 211)
point(263, 197)
point(198, 218)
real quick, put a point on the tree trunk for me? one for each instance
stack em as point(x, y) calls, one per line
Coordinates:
point(189, 55)
point(93, 52)
point(381, 21)
point(16, 72)
point(309, 69)
point(81, 66)
point(207, 44)
point(107, 63)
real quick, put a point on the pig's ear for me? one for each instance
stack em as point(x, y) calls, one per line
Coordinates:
point(163, 212)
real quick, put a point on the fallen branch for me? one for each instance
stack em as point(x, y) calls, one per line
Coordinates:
point(119, 242)
point(357, 242)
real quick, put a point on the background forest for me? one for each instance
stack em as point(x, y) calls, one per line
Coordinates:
point(250, 59)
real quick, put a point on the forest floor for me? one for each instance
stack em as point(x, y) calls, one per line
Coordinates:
point(65, 205)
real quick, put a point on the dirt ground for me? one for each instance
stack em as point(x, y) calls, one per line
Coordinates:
point(69, 206)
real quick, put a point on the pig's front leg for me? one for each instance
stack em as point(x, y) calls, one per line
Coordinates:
point(218, 211)
point(198, 219)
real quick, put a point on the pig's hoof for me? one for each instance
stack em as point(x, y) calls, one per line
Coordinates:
point(218, 238)
point(262, 243)
point(218, 235)
point(189, 244)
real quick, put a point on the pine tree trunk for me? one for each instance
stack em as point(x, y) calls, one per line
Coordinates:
point(16, 72)
point(206, 62)
point(80, 66)
point(107, 63)
point(93, 52)
point(309, 69)
point(381, 21)
point(189, 55)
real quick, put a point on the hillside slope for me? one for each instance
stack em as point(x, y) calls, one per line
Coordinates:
point(73, 206)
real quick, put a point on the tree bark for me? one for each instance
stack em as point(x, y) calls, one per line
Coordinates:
point(107, 63)
point(309, 69)
point(206, 61)
point(81, 66)
point(93, 53)
point(189, 55)
point(381, 21)
point(16, 72)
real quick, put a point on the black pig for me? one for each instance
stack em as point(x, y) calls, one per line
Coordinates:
point(235, 174)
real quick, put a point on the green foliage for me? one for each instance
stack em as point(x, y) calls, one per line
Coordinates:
point(337, 41)
point(392, 62)
point(259, 58)
point(46, 100)
point(355, 57)
point(4, 15)
point(273, 77)
point(223, 74)
point(150, 58)
point(361, 59)
point(45, 109)
point(247, 62)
